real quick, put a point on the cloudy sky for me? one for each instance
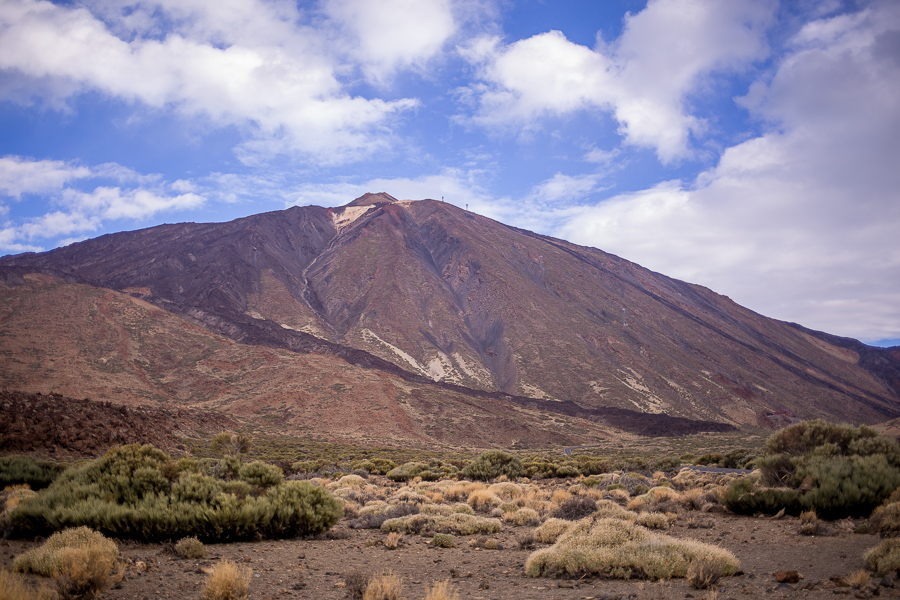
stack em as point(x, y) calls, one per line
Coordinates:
point(751, 146)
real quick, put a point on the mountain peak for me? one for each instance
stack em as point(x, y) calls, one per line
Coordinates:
point(369, 199)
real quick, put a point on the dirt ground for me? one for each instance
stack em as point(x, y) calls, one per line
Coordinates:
point(315, 568)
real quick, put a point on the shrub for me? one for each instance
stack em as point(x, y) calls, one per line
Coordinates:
point(87, 573)
point(704, 573)
point(380, 466)
point(568, 471)
point(576, 507)
point(886, 519)
point(809, 523)
point(744, 498)
point(37, 474)
point(190, 547)
point(713, 458)
point(492, 464)
point(523, 516)
point(260, 474)
point(457, 523)
point(885, 557)
point(130, 493)
point(48, 558)
point(441, 591)
point(407, 471)
point(392, 541)
point(355, 583)
point(386, 586)
point(227, 581)
point(484, 500)
point(443, 540)
point(551, 529)
point(375, 519)
point(848, 486)
point(618, 549)
point(15, 587)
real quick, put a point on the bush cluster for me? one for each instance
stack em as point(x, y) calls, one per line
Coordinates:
point(493, 464)
point(621, 550)
point(140, 492)
point(835, 470)
point(37, 474)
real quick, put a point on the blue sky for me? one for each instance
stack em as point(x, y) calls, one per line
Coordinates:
point(750, 146)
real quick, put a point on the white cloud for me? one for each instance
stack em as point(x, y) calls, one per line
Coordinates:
point(389, 35)
point(20, 176)
point(83, 205)
point(244, 64)
point(799, 223)
point(644, 78)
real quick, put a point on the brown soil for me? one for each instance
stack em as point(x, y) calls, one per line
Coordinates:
point(316, 568)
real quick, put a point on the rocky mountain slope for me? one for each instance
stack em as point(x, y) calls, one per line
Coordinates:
point(448, 300)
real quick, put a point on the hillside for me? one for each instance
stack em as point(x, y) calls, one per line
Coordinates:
point(419, 293)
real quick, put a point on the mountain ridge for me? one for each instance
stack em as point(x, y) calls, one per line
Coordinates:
point(452, 297)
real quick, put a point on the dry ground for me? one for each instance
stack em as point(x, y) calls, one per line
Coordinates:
point(316, 568)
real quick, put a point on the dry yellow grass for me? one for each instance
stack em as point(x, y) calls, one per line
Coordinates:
point(619, 549)
point(47, 559)
point(228, 581)
point(484, 500)
point(442, 590)
point(386, 586)
point(14, 587)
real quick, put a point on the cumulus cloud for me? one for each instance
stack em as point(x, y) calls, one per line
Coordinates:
point(644, 79)
point(392, 34)
point(250, 65)
point(20, 176)
point(809, 208)
point(82, 206)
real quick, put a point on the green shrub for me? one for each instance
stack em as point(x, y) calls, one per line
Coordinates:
point(492, 464)
point(260, 474)
point(743, 497)
point(308, 466)
point(851, 486)
point(374, 465)
point(568, 471)
point(146, 505)
point(444, 540)
point(712, 458)
point(408, 471)
point(37, 474)
point(835, 470)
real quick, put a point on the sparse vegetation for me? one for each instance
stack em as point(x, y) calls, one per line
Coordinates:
point(228, 581)
point(621, 550)
point(190, 547)
point(386, 586)
point(885, 557)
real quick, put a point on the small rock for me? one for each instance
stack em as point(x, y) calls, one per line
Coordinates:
point(787, 576)
point(886, 581)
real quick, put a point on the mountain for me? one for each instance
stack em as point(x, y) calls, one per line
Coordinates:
point(450, 302)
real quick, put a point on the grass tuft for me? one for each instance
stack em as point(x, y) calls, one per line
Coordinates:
point(228, 581)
